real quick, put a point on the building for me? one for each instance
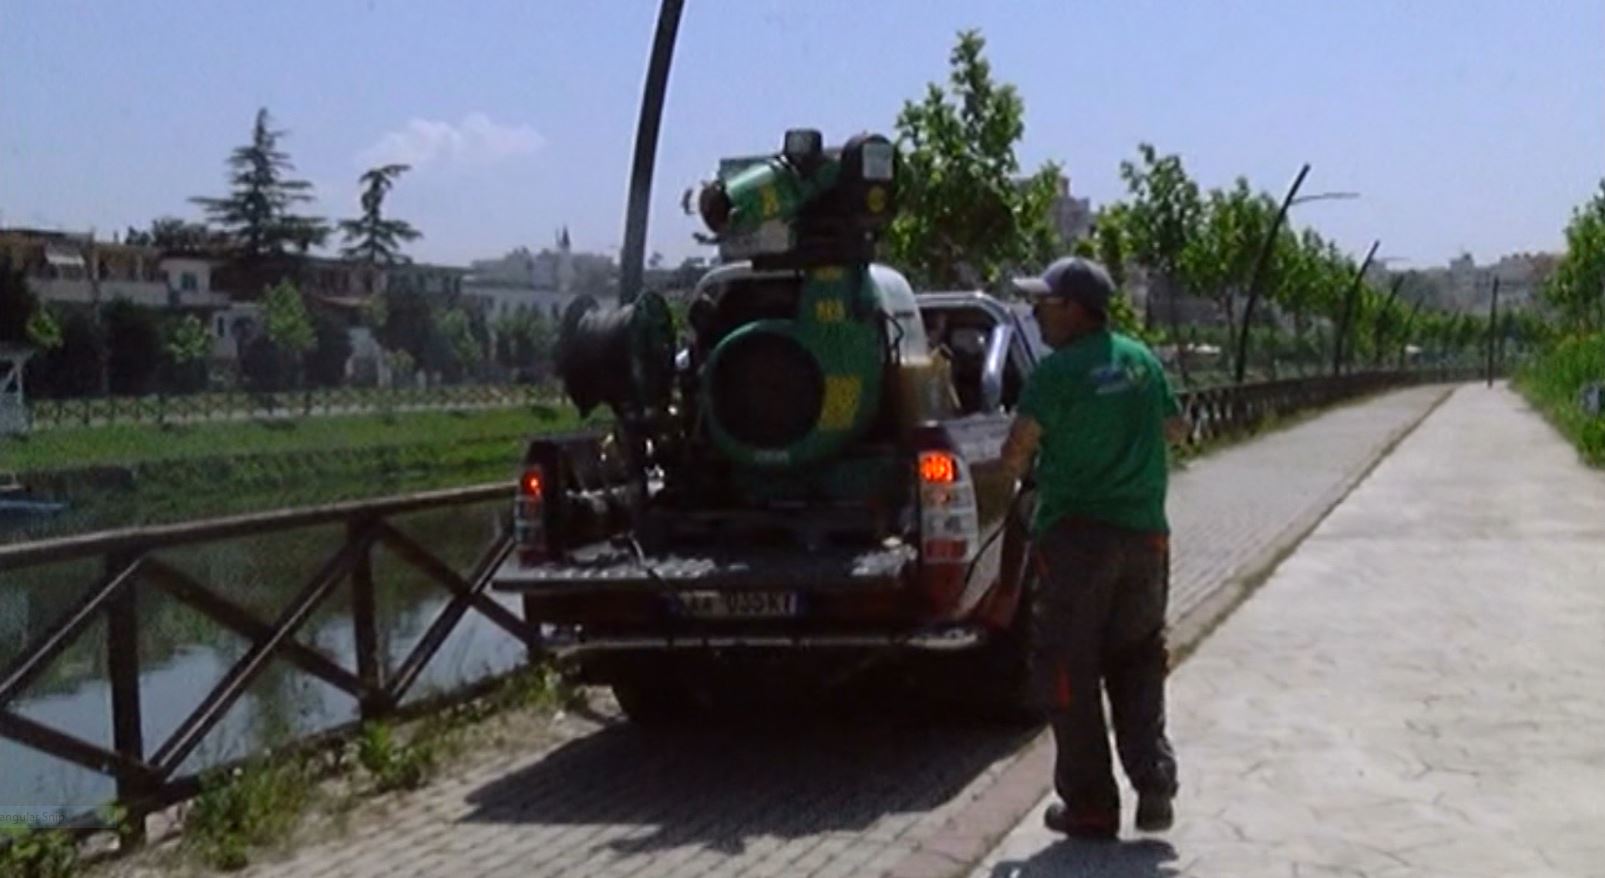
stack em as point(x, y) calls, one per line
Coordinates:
point(1072, 216)
point(522, 283)
point(75, 268)
point(1465, 286)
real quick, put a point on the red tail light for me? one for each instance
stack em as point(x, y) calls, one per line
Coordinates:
point(949, 520)
point(529, 516)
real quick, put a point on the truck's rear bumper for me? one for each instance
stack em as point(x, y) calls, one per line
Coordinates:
point(947, 639)
point(606, 568)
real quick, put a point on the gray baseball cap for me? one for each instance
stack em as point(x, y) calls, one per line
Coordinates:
point(1072, 277)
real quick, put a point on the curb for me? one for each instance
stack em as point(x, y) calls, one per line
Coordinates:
point(972, 833)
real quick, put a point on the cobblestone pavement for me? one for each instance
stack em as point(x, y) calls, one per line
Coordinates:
point(1418, 690)
point(857, 795)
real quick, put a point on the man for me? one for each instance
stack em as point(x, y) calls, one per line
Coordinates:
point(1100, 410)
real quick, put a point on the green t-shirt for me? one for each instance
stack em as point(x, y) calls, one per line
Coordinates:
point(1102, 402)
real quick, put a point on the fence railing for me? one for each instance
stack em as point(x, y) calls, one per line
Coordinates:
point(1218, 412)
point(241, 405)
point(147, 778)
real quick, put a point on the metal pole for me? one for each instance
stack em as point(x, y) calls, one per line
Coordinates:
point(1404, 341)
point(1348, 309)
point(633, 257)
point(1387, 306)
point(1493, 318)
point(1254, 279)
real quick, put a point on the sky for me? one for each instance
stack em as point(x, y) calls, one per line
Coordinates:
point(1465, 125)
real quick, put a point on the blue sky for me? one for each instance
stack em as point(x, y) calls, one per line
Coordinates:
point(1465, 124)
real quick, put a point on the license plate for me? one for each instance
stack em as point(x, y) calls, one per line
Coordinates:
point(738, 604)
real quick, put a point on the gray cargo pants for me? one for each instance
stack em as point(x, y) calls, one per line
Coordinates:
point(1100, 618)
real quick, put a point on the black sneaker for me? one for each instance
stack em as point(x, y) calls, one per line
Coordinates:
point(1155, 813)
point(1088, 825)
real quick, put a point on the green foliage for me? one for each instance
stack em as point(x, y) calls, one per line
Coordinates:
point(172, 233)
point(526, 343)
point(257, 214)
point(36, 853)
point(963, 220)
point(254, 805)
point(1554, 380)
point(371, 238)
point(1162, 215)
point(73, 368)
point(18, 305)
point(1577, 288)
point(186, 340)
point(288, 324)
point(326, 362)
point(43, 331)
point(133, 347)
point(185, 346)
point(466, 348)
point(394, 765)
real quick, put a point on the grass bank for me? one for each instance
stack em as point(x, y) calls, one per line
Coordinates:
point(123, 475)
point(1553, 381)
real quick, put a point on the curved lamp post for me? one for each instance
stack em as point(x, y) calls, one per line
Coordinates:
point(1266, 246)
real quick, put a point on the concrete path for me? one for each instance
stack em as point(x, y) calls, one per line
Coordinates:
point(1418, 690)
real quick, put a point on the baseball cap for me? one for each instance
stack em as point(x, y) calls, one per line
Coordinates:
point(1074, 278)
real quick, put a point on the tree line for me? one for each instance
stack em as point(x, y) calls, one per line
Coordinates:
point(969, 219)
point(263, 240)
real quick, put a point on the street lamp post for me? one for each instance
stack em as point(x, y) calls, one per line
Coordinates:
point(1266, 246)
point(1348, 309)
point(632, 260)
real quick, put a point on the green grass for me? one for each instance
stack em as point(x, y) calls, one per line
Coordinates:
point(253, 806)
point(123, 444)
point(1552, 381)
point(37, 853)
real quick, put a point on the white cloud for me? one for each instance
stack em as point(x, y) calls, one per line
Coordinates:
point(477, 139)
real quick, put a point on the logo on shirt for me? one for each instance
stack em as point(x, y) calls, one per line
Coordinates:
point(1117, 378)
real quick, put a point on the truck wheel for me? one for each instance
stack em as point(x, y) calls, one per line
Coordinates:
point(653, 702)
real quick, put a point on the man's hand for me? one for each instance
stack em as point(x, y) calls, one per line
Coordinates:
point(1025, 434)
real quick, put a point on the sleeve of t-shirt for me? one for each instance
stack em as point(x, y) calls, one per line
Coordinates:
point(1034, 397)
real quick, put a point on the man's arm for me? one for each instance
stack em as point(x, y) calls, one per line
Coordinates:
point(1025, 434)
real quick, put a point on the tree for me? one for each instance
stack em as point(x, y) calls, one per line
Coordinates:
point(466, 353)
point(172, 233)
point(525, 343)
point(326, 362)
point(257, 214)
point(17, 304)
point(963, 220)
point(73, 367)
point(1218, 259)
point(272, 361)
point(1161, 221)
point(185, 346)
point(133, 347)
point(1576, 290)
point(371, 238)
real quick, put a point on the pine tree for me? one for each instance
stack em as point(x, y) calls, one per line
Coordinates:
point(257, 214)
point(371, 238)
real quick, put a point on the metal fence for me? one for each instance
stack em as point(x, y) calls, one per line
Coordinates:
point(243, 405)
point(147, 777)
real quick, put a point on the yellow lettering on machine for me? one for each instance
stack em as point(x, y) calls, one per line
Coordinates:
point(841, 402)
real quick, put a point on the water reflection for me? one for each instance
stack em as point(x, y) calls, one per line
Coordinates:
point(183, 654)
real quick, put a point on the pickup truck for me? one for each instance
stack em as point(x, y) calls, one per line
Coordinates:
point(675, 604)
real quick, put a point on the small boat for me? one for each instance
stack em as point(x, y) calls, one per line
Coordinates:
point(17, 501)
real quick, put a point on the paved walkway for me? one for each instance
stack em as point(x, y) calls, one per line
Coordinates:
point(1418, 690)
point(869, 796)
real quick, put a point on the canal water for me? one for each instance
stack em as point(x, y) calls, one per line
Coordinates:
point(183, 653)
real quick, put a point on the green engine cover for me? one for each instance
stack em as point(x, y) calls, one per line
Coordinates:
point(837, 328)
